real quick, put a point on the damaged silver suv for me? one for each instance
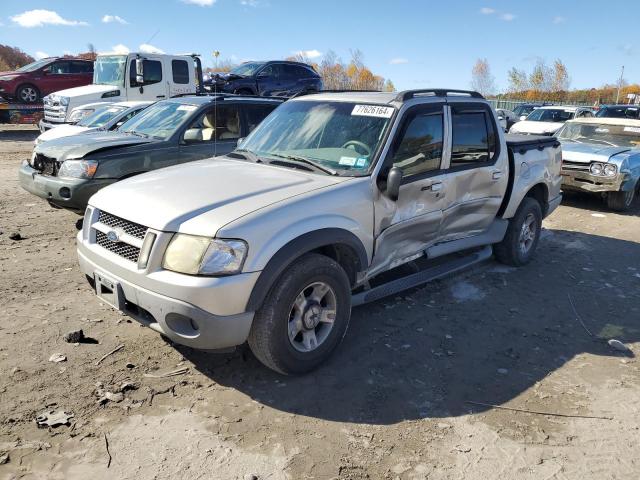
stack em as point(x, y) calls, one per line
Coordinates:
point(324, 206)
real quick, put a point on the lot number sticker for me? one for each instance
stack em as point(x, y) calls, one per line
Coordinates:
point(372, 111)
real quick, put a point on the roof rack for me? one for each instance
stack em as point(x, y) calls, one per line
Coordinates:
point(314, 92)
point(225, 95)
point(435, 92)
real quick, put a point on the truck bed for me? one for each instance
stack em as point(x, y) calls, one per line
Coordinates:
point(522, 143)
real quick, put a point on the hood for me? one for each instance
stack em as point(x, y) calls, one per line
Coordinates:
point(89, 91)
point(59, 132)
point(201, 197)
point(589, 152)
point(225, 77)
point(536, 128)
point(78, 146)
point(10, 72)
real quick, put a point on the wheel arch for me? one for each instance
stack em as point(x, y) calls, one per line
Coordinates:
point(341, 245)
point(27, 84)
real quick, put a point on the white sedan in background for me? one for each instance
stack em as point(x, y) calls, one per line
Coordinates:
point(109, 116)
point(549, 119)
point(506, 118)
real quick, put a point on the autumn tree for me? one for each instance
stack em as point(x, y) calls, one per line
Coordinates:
point(12, 58)
point(518, 81)
point(481, 79)
point(352, 76)
point(560, 80)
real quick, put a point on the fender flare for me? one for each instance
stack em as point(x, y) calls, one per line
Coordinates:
point(297, 247)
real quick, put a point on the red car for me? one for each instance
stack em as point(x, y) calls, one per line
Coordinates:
point(30, 83)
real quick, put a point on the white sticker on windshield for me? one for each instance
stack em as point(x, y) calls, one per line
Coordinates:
point(632, 129)
point(347, 161)
point(188, 108)
point(113, 110)
point(372, 111)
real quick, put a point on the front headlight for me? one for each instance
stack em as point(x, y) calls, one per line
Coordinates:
point(596, 168)
point(78, 168)
point(610, 170)
point(79, 114)
point(204, 256)
point(6, 78)
point(64, 101)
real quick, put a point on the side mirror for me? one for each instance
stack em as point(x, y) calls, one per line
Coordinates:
point(394, 178)
point(192, 135)
point(239, 142)
point(139, 70)
point(523, 117)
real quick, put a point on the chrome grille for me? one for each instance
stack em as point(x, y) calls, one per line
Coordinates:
point(133, 229)
point(122, 249)
point(575, 166)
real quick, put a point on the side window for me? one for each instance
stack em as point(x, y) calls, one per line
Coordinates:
point(267, 72)
point(58, 68)
point(180, 69)
point(80, 67)
point(215, 124)
point(255, 114)
point(473, 138)
point(419, 146)
point(152, 73)
point(128, 116)
point(291, 71)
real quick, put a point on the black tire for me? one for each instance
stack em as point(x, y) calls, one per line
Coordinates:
point(28, 93)
point(269, 336)
point(621, 201)
point(510, 251)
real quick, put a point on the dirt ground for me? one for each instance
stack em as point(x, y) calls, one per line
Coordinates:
point(396, 400)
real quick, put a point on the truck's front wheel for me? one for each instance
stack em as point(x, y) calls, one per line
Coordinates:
point(304, 317)
point(520, 241)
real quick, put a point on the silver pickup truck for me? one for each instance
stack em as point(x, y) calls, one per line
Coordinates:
point(335, 200)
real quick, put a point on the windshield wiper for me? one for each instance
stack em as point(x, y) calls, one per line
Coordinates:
point(247, 155)
point(306, 161)
point(138, 134)
point(599, 140)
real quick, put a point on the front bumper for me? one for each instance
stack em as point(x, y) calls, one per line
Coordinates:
point(205, 313)
point(44, 125)
point(69, 193)
point(586, 182)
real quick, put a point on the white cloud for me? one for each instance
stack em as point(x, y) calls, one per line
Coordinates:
point(200, 3)
point(507, 17)
point(249, 3)
point(398, 61)
point(120, 48)
point(487, 11)
point(559, 19)
point(308, 53)
point(39, 18)
point(41, 55)
point(146, 48)
point(114, 18)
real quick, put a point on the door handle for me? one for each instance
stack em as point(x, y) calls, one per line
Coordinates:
point(434, 187)
point(496, 175)
point(160, 96)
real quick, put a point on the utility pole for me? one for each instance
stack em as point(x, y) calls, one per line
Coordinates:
point(619, 86)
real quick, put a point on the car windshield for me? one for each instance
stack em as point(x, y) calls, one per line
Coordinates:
point(100, 116)
point(340, 136)
point(247, 69)
point(109, 70)
point(160, 120)
point(618, 112)
point(521, 110)
point(550, 115)
point(32, 67)
point(601, 134)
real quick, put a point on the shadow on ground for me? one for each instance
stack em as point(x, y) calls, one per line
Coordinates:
point(19, 135)
point(485, 336)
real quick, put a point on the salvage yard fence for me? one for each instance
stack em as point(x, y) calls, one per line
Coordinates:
point(512, 104)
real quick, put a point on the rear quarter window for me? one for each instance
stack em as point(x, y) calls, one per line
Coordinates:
point(180, 69)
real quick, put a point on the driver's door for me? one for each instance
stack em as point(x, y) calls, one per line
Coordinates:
point(212, 133)
point(407, 226)
point(154, 85)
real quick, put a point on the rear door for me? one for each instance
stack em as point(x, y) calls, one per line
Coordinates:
point(154, 85)
point(253, 114)
point(477, 176)
point(406, 227)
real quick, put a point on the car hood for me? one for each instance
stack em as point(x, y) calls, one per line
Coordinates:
point(536, 128)
point(78, 146)
point(589, 152)
point(87, 91)
point(10, 72)
point(61, 131)
point(201, 197)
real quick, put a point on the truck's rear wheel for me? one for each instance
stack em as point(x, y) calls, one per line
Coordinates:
point(520, 241)
point(621, 201)
point(304, 317)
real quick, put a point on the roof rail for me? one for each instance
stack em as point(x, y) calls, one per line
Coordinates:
point(435, 92)
point(227, 95)
point(314, 92)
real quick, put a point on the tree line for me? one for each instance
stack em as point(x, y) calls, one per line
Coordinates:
point(545, 82)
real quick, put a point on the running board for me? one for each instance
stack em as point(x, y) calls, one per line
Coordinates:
point(425, 276)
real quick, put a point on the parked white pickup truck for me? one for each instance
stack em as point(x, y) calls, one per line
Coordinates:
point(334, 200)
point(119, 78)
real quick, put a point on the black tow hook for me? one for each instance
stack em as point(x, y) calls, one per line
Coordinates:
point(79, 223)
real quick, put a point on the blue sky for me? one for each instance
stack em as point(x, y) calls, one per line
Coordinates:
point(415, 43)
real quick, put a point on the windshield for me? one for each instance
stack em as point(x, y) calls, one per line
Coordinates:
point(601, 134)
point(247, 69)
point(31, 67)
point(100, 117)
point(550, 115)
point(337, 135)
point(109, 70)
point(521, 110)
point(160, 120)
point(618, 112)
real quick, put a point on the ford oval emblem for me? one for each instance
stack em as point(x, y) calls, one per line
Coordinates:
point(113, 236)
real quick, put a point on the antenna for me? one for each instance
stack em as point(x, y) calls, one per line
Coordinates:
point(153, 36)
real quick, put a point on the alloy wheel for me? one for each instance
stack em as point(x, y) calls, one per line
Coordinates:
point(312, 316)
point(527, 233)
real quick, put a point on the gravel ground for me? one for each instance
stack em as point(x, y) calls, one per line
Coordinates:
point(410, 394)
